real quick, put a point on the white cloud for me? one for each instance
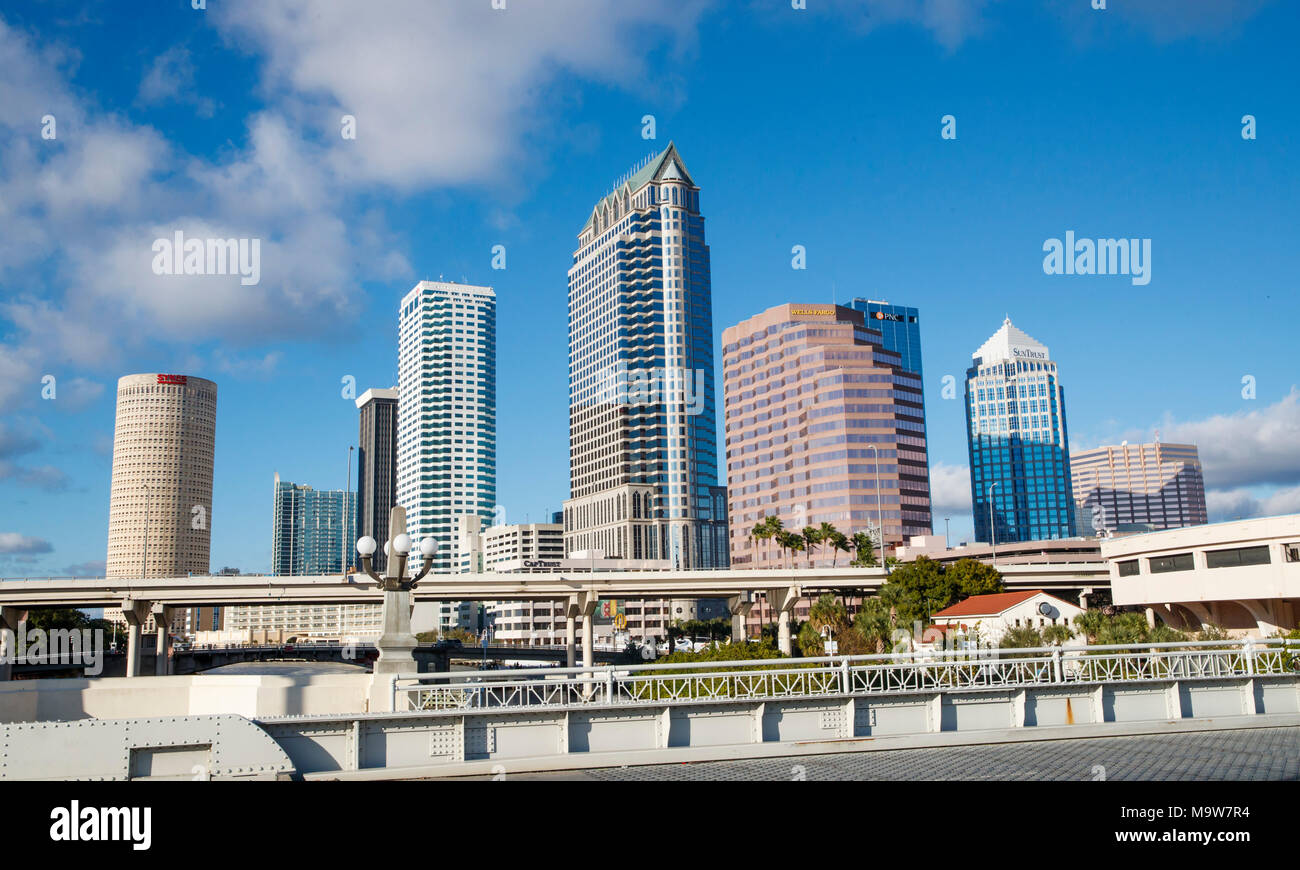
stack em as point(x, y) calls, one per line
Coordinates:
point(171, 79)
point(950, 22)
point(445, 93)
point(1234, 503)
point(12, 543)
point(949, 491)
point(437, 103)
point(1247, 448)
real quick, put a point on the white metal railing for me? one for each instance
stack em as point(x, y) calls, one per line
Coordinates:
point(890, 673)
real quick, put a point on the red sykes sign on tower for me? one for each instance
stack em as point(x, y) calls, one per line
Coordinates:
point(178, 380)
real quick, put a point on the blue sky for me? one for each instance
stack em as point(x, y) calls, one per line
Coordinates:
point(478, 127)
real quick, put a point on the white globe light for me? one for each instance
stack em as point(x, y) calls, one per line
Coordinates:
point(388, 548)
point(402, 544)
point(366, 546)
point(428, 547)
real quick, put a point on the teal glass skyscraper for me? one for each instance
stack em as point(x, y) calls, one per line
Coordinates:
point(313, 530)
point(643, 459)
point(1019, 446)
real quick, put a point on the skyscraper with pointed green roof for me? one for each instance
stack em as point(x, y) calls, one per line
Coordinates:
point(643, 442)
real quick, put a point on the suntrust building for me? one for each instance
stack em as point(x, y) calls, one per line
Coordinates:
point(1019, 447)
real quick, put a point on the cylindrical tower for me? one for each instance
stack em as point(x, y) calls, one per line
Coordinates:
point(160, 507)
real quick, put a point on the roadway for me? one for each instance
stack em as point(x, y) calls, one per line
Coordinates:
point(246, 589)
point(1255, 754)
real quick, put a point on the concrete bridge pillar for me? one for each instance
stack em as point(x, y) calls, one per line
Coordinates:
point(739, 605)
point(10, 617)
point(570, 631)
point(136, 613)
point(783, 599)
point(588, 601)
point(162, 618)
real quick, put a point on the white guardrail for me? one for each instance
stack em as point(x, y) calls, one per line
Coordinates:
point(890, 673)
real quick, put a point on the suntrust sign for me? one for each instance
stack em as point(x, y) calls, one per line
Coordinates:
point(1028, 353)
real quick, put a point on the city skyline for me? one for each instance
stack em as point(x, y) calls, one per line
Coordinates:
point(958, 233)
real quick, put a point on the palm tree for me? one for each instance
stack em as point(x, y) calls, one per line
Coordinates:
point(772, 527)
point(811, 537)
point(839, 544)
point(762, 530)
point(873, 623)
point(827, 531)
point(792, 542)
point(866, 552)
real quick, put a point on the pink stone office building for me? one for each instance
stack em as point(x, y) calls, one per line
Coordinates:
point(820, 419)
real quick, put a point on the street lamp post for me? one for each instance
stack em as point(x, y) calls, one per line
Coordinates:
point(347, 497)
point(993, 529)
point(946, 541)
point(396, 642)
point(880, 522)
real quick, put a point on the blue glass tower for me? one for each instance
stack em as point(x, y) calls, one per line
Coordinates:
point(900, 326)
point(1019, 446)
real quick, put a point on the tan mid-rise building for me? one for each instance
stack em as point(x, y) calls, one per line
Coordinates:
point(822, 425)
point(1138, 487)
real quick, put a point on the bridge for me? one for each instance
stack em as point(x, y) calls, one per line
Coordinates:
point(461, 724)
point(138, 598)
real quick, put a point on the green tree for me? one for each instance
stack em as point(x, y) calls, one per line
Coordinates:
point(915, 590)
point(812, 536)
point(1058, 633)
point(1020, 637)
point(810, 641)
point(873, 626)
point(972, 577)
point(762, 530)
point(827, 611)
point(791, 542)
point(839, 543)
point(55, 618)
point(864, 551)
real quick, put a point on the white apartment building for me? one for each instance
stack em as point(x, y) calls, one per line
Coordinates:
point(539, 547)
point(446, 412)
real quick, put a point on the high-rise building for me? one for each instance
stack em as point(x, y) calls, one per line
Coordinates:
point(1138, 487)
point(446, 412)
point(1019, 446)
point(160, 502)
point(823, 424)
point(900, 329)
point(643, 466)
point(313, 531)
point(376, 468)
